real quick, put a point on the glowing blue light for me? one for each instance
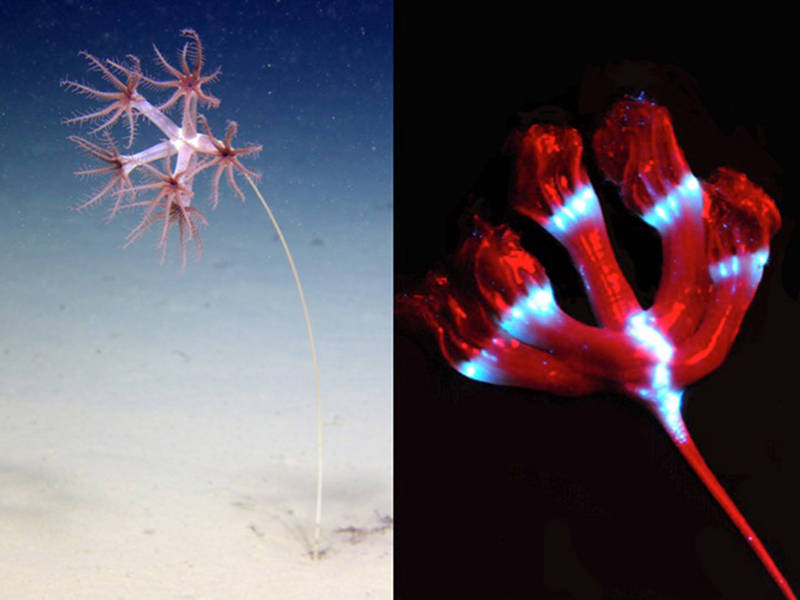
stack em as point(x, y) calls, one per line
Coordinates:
point(661, 375)
point(488, 355)
point(477, 370)
point(760, 257)
point(579, 204)
point(541, 301)
point(539, 306)
point(667, 210)
point(669, 405)
point(582, 204)
point(757, 262)
point(665, 399)
point(733, 265)
point(720, 270)
point(673, 204)
point(650, 337)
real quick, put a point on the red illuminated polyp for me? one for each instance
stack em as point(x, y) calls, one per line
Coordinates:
point(503, 270)
point(464, 329)
point(548, 168)
point(637, 150)
point(710, 224)
point(741, 217)
point(494, 317)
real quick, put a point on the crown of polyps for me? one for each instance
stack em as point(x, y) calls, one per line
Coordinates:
point(497, 320)
point(171, 185)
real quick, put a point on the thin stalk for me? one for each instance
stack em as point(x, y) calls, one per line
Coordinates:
point(687, 447)
point(318, 515)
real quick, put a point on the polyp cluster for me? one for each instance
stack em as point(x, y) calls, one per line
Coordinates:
point(494, 314)
point(193, 152)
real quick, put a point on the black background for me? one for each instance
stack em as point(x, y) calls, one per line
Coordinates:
point(509, 493)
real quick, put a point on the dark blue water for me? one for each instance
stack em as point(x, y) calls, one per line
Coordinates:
point(310, 82)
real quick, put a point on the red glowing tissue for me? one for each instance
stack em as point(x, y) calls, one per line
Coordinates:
point(496, 320)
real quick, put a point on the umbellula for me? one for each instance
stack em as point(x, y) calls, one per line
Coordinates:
point(493, 314)
point(165, 172)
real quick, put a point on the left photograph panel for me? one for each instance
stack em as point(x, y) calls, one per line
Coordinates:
point(196, 308)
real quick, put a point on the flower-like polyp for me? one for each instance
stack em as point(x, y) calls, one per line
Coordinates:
point(739, 221)
point(495, 317)
point(469, 338)
point(637, 150)
point(553, 189)
point(184, 151)
point(519, 296)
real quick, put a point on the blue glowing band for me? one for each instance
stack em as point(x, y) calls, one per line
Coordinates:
point(666, 211)
point(660, 394)
point(538, 306)
point(753, 263)
point(582, 204)
point(640, 328)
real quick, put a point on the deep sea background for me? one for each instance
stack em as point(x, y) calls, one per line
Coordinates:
point(86, 324)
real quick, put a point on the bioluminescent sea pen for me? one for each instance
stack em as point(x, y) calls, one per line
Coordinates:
point(495, 318)
point(164, 173)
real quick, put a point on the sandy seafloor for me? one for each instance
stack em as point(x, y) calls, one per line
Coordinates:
point(158, 433)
